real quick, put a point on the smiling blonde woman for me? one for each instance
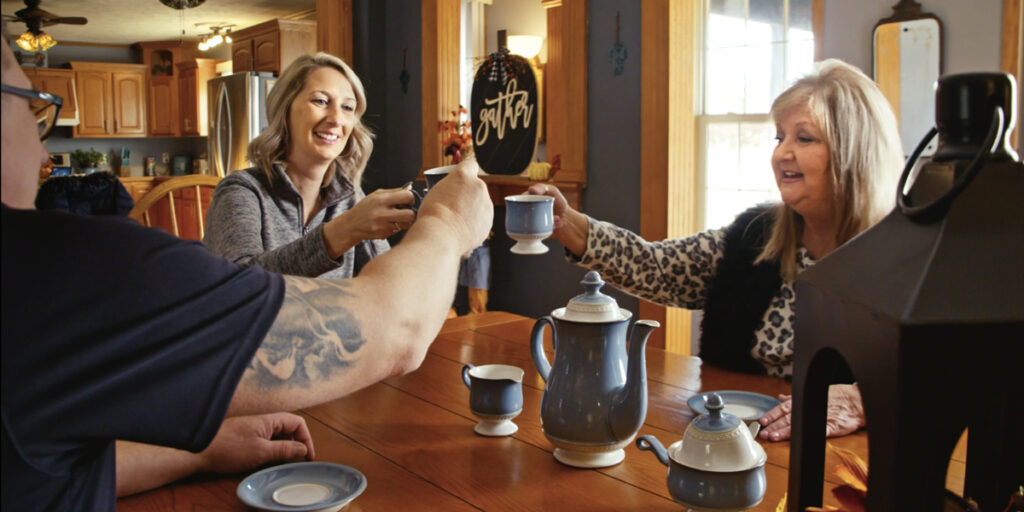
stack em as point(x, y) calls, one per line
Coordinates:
point(300, 210)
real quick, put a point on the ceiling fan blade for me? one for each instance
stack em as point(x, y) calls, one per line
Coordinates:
point(76, 20)
point(29, 13)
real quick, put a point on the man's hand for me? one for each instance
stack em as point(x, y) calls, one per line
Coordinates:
point(241, 444)
point(845, 414)
point(462, 203)
point(246, 442)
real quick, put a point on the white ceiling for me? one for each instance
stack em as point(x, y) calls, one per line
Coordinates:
point(130, 21)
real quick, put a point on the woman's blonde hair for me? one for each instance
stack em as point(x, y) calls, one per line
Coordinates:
point(271, 146)
point(865, 155)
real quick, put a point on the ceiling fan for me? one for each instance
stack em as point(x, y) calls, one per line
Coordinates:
point(34, 39)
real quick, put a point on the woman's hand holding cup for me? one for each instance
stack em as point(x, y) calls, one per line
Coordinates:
point(571, 226)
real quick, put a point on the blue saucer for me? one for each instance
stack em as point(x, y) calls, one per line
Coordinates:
point(745, 405)
point(302, 487)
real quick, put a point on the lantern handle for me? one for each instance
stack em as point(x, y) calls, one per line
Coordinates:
point(936, 209)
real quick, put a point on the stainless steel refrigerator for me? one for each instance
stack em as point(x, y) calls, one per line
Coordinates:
point(238, 113)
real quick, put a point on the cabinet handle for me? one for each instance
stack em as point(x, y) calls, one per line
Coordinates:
point(104, 125)
point(186, 124)
point(115, 125)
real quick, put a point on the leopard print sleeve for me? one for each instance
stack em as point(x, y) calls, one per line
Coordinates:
point(673, 272)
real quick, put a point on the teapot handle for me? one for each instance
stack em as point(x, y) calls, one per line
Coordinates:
point(540, 360)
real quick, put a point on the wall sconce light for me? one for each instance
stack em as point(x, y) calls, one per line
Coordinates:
point(36, 41)
point(219, 34)
point(527, 46)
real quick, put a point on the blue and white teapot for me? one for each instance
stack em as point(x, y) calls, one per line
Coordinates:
point(595, 397)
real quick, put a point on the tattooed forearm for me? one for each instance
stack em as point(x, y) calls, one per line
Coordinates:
point(312, 338)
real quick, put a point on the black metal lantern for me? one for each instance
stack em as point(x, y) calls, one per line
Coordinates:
point(927, 310)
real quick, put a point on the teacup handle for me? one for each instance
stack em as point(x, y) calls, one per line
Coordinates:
point(465, 375)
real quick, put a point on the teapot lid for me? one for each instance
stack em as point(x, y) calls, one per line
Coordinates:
point(592, 306)
point(716, 420)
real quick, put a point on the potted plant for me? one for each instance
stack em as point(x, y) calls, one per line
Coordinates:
point(88, 160)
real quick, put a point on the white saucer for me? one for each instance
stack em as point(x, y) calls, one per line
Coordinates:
point(745, 405)
point(302, 487)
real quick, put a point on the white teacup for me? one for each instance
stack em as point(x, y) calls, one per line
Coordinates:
point(528, 220)
point(437, 174)
point(495, 397)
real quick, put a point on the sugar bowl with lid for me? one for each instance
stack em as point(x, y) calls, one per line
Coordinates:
point(717, 465)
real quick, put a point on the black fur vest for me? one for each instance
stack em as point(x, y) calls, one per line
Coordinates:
point(739, 294)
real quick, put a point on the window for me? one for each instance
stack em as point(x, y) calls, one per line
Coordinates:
point(751, 51)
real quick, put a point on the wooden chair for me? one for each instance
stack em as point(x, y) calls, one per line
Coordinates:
point(185, 222)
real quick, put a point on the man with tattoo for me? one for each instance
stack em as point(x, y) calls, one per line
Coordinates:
point(113, 331)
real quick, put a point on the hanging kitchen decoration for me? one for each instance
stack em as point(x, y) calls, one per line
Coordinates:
point(403, 77)
point(504, 113)
point(617, 55)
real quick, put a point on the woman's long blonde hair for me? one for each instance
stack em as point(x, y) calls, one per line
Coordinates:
point(271, 146)
point(865, 155)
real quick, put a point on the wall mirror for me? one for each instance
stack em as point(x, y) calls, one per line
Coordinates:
point(907, 57)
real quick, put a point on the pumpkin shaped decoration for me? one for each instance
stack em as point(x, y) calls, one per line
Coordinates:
point(504, 113)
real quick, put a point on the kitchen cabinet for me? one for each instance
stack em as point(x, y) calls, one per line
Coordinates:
point(192, 77)
point(272, 45)
point(163, 83)
point(60, 82)
point(111, 99)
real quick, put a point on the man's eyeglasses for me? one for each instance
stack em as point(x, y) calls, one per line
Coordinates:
point(46, 116)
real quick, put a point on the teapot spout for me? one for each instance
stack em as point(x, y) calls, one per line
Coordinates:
point(629, 407)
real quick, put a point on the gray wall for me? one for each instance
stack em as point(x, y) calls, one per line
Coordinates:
point(382, 29)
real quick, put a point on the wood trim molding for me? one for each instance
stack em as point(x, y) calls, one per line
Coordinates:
point(818, 27)
point(440, 57)
point(334, 28)
point(1011, 58)
point(668, 173)
point(574, 91)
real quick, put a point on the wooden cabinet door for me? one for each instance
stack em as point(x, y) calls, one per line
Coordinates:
point(189, 109)
point(60, 82)
point(129, 101)
point(241, 56)
point(162, 103)
point(266, 50)
point(94, 103)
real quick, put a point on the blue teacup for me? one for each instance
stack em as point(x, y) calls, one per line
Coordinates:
point(528, 220)
point(495, 396)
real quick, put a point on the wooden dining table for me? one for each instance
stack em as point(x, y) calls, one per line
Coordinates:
point(412, 437)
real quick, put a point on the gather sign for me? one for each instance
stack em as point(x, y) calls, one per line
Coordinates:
point(504, 113)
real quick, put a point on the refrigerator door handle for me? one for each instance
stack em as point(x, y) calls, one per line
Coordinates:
point(222, 125)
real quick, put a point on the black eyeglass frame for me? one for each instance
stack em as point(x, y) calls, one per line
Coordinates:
point(32, 94)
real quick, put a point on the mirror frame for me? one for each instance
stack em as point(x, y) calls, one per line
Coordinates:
point(904, 11)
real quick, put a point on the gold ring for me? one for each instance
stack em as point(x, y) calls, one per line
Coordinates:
point(397, 227)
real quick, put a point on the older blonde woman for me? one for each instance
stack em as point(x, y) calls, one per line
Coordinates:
point(836, 164)
point(300, 210)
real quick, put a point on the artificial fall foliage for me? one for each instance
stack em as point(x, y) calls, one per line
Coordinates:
point(456, 135)
point(851, 495)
